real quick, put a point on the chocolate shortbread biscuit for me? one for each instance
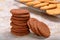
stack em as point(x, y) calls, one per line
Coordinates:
point(22, 16)
point(40, 28)
point(25, 24)
point(19, 30)
point(19, 11)
point(33, 29)
point(19, 34)
point(20, 19)
point(18, 27)
point(34, 24)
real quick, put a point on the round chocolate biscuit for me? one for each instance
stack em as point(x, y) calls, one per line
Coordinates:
point(19, 24)
point(34, 28)
point(20, 19)
point(18, 27)
point(19, 11)
point(22, 16)
point(40, 28)
point(44, 30)
point(19, 34)
point(31, 28)
point(19, 30)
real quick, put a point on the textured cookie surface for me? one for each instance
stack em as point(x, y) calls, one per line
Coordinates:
point(19, 11)
point(24, 1)
point(40, 28)
point(50, 6)
point(20, 19)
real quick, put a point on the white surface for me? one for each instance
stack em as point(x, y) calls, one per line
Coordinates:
point(7, 5)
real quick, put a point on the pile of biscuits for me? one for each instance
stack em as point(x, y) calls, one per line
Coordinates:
point(19, 22)
point(38, 27)
point(50, 6)
point(22, 23)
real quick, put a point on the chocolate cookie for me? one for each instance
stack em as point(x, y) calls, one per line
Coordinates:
point(34, 28)
point(22, 16)
point(19, 34)
point(19, 30)
point(40, 28)
point(20, 27)
point(19, 11)
point(20, 19)
point(25, 24)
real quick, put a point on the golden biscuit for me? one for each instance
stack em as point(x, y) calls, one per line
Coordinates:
point(50, 6)
point(44, 0)
point(53, 2)
point(53, 11)
point(23, 1)
point(40, 5)
point(58, 6)
point(32, 3)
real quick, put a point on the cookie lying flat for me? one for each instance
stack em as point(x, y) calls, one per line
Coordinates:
point(20, 30)
point(58, 5)
point(38, 27)
point(22, 16)
point(19, 34)
point(18, 27)
point(24, 1)
point(55, 11)
point(44, 0)
point(32, 3)
point(50, 6)
point(53, 2)
point(19, 11)
point(40, 5)
point(20, 19)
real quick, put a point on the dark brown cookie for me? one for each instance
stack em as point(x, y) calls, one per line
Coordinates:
point(34, 28)
point(19, 34)
point(19, 11)
point(19, 19)
point(40, 28)
point(44, 30)
point(19, 30)
point(22, 16)
point(25, 24)
point(18, 27)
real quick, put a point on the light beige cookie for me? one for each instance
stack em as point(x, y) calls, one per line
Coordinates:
point(53, 11)
point(40, 5)
point(44, 0)
point(53, 2)
point(58, 5)
point(50, 6)
point(24, 1)
point(32, 3)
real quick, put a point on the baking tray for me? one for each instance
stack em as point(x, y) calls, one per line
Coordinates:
point(37, 9)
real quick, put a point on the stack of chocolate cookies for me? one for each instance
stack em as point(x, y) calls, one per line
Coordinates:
point(19, 22)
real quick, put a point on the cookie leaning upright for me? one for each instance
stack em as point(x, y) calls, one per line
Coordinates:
point(39, 28)
point(19, 20)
